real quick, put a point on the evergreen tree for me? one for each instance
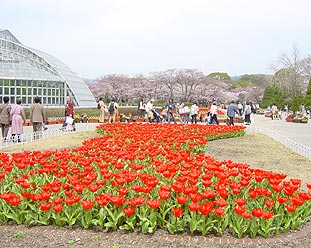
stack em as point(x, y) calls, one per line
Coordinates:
point(270, 96)
point(295, 104)
point(273, 95)
point(307, 99)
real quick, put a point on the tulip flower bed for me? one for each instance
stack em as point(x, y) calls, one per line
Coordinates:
point(149, 176)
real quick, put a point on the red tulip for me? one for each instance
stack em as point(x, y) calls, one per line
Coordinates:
point(281, 200)
point(123, 191)
point(219, 211)
point(45, 206)
point(57, 208)
point(58, 200)
point(246, 215)
point(206, 208)
point(195, 197)
point(93, 187)
point(178, 212)
point(154, 203)
point(297, 201)
point(181, 199)
point(135, 201)
point(269, 203)
point(164, 195)
point(305, 196)
point(257, 212)
point(14, 200)
point(221, 202)
point(239, 210)
point(194, 207)
point(87, 204)
point(129, 211)
point(295, 181)
point(117, 200)
point(290, 208)
point(102, 200)
point(240, 201)
point(209, 194)
point(267, 215)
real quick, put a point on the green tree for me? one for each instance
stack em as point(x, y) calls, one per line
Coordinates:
point(269, 96)
point(295, 106)
point(219, 76)
point(241, 84)
point(307, 99)
point(273, 94)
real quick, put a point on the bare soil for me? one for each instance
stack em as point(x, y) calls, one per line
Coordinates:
point(259, 151)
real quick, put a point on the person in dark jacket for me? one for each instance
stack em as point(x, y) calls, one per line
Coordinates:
point(231, 111)
point(170, 106)
point(5, 118)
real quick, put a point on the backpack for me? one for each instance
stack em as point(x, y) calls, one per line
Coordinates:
point(98, 106)
point(111, 107)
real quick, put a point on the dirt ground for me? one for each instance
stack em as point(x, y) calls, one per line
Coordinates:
point(262, 152)
point(259, 151)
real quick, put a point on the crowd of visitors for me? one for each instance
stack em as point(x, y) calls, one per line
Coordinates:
point(14, 116)
point(185, 114)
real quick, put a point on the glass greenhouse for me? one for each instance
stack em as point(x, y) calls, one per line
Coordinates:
point(26, 72)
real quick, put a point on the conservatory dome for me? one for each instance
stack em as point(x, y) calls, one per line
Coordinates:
point(26, 72)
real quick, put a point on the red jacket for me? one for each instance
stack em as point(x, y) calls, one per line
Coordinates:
point(69, 109)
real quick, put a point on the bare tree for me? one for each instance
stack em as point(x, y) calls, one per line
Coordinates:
point(289, 72)
point(167, 78)
point(188, 80)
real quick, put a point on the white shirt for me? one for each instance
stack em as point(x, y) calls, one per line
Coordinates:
point(213, 109)
point(149, 106)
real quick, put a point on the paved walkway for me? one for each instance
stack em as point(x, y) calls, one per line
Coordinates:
point(298, 132)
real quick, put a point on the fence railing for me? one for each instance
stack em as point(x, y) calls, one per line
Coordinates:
point(293, 145)
point(51, 132)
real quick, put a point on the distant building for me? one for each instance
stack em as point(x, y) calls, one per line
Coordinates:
point(26, 72)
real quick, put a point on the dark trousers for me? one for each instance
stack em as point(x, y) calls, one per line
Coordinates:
point(5, 130)
point(248, 118)
point(194, 119)
point(169, 115)
point(214, 119)
point(231, 121)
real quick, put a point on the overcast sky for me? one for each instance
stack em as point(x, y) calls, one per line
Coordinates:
point(99, 37)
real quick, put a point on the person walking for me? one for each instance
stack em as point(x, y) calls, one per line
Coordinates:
point(247, 113)
point(213, 114)
point(170, 106)
point(37, 117)
point(194, 113)
point(113, 111)
point(5, 109)
point(141, 108)
point(274, 112)
point(182, 113)
point(231, 111)
point(69, 112)
point(18, 117)
point(149, 108)
point(240, 108)
point(102, 110)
